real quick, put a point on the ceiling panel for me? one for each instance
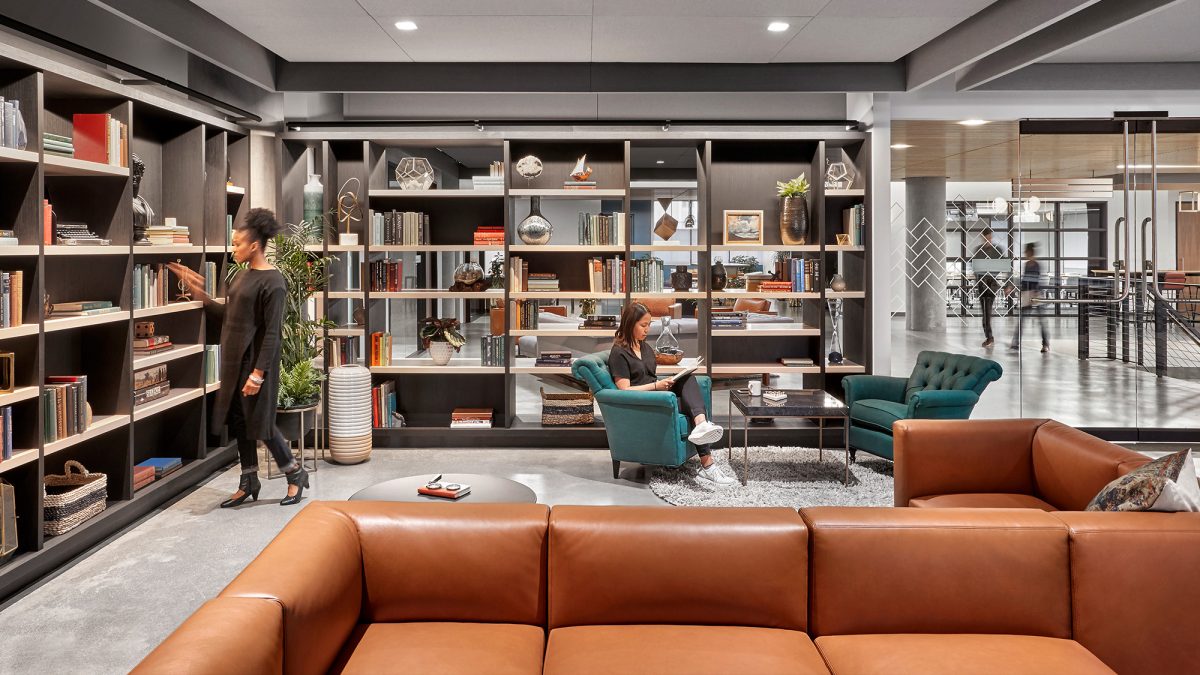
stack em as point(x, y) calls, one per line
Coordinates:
point(680, 9)
point(695, 39)
point(496, 38)
point(1171, 34)
point(904, 8)
point(845, 39)
point(419, 8)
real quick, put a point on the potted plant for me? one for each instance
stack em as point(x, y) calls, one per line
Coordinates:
point(441, 338)
point(793, 210)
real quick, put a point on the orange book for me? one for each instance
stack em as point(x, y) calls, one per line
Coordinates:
point(445, 494)
point(47, 223)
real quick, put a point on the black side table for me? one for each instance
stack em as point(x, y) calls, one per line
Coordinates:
point(805, 403)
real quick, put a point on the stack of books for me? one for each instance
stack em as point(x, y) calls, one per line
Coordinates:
point(491, 350)
point(399, 228)
point(98, 137)
point(553, 358)
point(77, 234)
point(542, 281)
point(489, 235)
point(83, 308)
point(342, 350)
point(854, 223)
point(142, 476)
point(12, 298)
point(600, 321)
point(602, 229)
point(606, 276)
point(489, 183)
point(57, 144)
point(728, 319)
point(471, 418)
point(381, 349)
point(527, 315)
point(151, 285)
point(646, 276)
point(9, 238)
point(775, 286)
point(12, 132)
point(65, 410)
point(385, 276)
point(444, 492)
point(168, 234)
point(796, 362)
point(153, 344)
point(6, 435)
point(805, 275)
point(150, 384)
point(162, 466)
point(212, 364)
point(209, 269)
point(383, 404)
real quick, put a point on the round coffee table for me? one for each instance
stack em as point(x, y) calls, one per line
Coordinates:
point(484, 490)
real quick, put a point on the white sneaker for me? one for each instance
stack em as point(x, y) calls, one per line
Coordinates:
point(706, 432)
point(713, 474)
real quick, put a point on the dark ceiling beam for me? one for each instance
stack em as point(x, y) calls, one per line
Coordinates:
point(1183, 76)
point(988, 31)
point(588, 77)
point(1090, 23)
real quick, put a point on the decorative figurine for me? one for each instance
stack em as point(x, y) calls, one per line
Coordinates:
point(143, 215)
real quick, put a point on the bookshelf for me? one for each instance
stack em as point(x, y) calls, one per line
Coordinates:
point(189, 155)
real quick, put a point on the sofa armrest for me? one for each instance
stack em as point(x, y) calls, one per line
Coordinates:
point(226, 635)
point(942, 404)
point(881, 387)
point(937, 457)
point(647, 399)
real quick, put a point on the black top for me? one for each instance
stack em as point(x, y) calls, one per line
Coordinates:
point(1031, 276)
point(622, 363)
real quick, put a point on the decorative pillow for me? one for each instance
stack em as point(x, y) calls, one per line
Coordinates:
point(1166, 484)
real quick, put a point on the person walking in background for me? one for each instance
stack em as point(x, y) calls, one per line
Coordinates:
point(988, 285)
point(251, 321)
point(1031, 281)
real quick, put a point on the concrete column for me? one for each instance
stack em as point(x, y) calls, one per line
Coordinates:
point(925, 239)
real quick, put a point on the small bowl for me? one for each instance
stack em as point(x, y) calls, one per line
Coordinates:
point(667, 359)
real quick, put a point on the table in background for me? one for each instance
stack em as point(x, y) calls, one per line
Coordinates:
point(484, 490)
point(804, 403)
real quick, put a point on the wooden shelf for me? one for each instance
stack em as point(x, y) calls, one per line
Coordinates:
point(756, 368)
point(13, 155)
point(234, 190)
point(852, 192)
point(18, 394)
point(496, 294)
point(168, 249)
point(347, 331)
point(845, 366)
point(847, 295)
point(19, 458)
point(426, 366)
point(178, 352)
point(564, 248)
point(176, 397)
point(568, 194)
point(567, 295)
point(345, 248)
point(19, 331)
point(69, 166)
point(778, 295)
point(20, 249)
point(68, 322)
point(767, 330)
point(210, 388)
point(345, 295)
point(731, 248)
point(432, 248)
point(664, 248)
point(524, 366)
point(100, 424)
point(62, 249)
point(564, 332)
point(169, 308)
point(434, 194)
point(694, 295)
point(845, 249)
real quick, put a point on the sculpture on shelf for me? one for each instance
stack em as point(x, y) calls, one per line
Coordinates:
point(681, 278)
point(143, 214)
point(835, 333)
point(529, 167)
point(667, 224)
point(666, 348)
point(793, 210)
point(349, 210)
point(468, 278)
point(837, 283)
point(719, 276)
point(184, 294)
point(838, 176)
point(414, 173)
point(582, 171)
point(535, 229)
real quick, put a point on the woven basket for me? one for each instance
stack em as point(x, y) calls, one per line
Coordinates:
point(72, 498)
point(567, 409)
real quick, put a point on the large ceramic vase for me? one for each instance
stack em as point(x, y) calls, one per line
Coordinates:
point(314, 195)
point(348, 412)
point(681, 278)
point(440, 351)
point(793, 220)
point(535, 229)
point(719, 277)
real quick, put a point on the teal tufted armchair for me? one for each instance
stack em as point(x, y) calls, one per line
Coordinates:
point(642, 426)
point(941, 387)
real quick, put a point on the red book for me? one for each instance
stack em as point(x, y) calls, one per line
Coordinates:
point(444, 493)
point(91, 137)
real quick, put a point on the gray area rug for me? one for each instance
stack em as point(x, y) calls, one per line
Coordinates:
point(791, 477)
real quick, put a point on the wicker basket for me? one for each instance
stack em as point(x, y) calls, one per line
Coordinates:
point(567, 409)
point(72, 498)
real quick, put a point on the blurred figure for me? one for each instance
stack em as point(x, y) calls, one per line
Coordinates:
point(988, 285)
point(1031, 282)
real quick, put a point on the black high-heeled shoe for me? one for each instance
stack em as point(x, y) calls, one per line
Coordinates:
point(299, 478)
point(248, 486)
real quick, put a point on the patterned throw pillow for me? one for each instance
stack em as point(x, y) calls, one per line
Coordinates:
point(1166, 484)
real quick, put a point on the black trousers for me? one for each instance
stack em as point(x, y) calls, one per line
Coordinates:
point(691, 403)
point(987, 298)
point(1034, 313)
point(248, 447)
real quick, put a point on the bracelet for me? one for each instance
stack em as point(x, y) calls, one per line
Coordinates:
point(256, 379)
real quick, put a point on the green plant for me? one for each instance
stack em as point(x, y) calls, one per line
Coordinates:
point(299, 385)
point(441, 330)
point(796, 187)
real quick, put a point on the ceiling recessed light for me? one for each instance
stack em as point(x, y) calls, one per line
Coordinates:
point(661, 161)
point(973, 123)
point(406, 25)
point(778, 26)
point(901, 146)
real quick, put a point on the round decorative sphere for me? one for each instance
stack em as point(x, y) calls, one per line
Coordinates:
point(535, 229)
point(837, 283)
point(468, 273)
point(414, 173)
point(529, 167)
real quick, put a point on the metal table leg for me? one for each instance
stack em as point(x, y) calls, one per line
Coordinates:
point(820, 439)
point(846, 435)
point(729, 421)
point(745, 449)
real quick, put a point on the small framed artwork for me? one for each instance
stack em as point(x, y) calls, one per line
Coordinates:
point(842, 239)
point(743, 227)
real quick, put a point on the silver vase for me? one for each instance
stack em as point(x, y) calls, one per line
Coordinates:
point(535, 229)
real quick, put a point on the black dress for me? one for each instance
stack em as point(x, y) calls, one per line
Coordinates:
point(250, 322)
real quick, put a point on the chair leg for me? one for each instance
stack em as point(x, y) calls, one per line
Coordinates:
point(853, 452)
point(616, 468)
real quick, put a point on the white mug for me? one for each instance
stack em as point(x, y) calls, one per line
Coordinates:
point(755, 387)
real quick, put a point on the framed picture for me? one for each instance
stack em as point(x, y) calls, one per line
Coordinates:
point(743, 227)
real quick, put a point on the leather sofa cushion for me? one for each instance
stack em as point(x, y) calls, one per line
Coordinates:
point(657, 306)
point(1136, 589)
point(649, 565)
point(878, 413)
point(752, 305)
point(1070, 467)
point(1002, 571)
point(453, 562)
point(686, 650)
point(982, 500)
point(956, 654)
point(442, 649)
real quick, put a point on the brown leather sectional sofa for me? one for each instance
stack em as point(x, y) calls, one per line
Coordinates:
point(363, 587)
point(1017, 463)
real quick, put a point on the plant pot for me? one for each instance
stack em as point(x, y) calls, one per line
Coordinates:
point(793, 220)
point(287, 420)
point(440, 352)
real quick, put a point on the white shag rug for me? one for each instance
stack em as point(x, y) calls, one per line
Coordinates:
point(791, 477)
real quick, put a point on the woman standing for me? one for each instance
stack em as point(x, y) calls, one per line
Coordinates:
point(633, 368)
point(251, 321)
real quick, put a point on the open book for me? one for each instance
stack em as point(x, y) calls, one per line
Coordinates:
point(687, 371)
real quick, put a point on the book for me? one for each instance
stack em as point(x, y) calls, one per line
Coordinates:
point(687, 371)
point(91, 136)
point(142, 476)
point(81, 305)
point(795, 362)
point(444, 493)
point(156, 349)
point(152, 341)
point(150, 376)
point(162, 466)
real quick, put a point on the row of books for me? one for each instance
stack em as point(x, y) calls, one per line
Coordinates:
point(383, 405)
point(57, 144)
point(9, 238)
point(65, 410)
point(151, 285)
point(527, 315)
point(386, 276)
point(381, 349)
point(6, 435)
point(646, 275)
point(12, 298)
point(804, 274)
point(606, 275)
point(471, 418)
point(728, 319)
point(83, 308)
point(542, 281)
point(341, 350)
point(602, 229)
point(153, 344)
point(212, 364)
point(209, 270)
point(13, 133)
point(150, 384)
point(399, 228)
point(99, 137)
point(155, 468)
point(854, 223)
point(551, 358)
point(488, 235)
point(593, 321)
point(491, 350)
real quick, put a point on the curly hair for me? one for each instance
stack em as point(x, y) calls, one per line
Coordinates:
point(260, 225)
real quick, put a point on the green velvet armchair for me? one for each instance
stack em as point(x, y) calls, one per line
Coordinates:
point(642, 426)
point(941, 387)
